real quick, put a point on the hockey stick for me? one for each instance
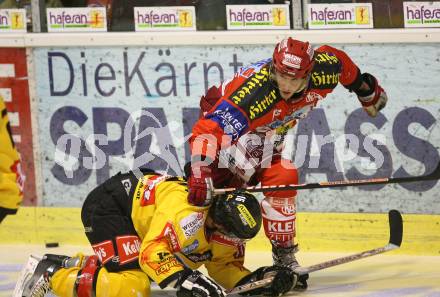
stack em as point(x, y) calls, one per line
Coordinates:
point(250, 286)
point(396, 233)
point(435, 175)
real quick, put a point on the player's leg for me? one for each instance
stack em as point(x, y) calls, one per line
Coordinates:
point(279, 213)
point(93, 280)
point(106, 216)
point(108, 227)
point(81, 276)
point(279, 209)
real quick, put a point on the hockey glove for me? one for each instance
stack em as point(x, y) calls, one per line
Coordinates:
point(375, 98)
point(284, 280)
point(193, 283)
point(199, 193)
point(301, 284)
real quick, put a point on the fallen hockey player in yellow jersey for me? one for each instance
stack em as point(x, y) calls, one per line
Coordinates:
point(144, 230)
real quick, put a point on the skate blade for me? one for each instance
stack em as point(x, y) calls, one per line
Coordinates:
point(25, 275)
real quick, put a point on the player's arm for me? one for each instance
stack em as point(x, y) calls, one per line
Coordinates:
point(227, 268)
point(222, 125)
point(371, 95)
point(204, 145)
point(158, 261)
point(284, 280)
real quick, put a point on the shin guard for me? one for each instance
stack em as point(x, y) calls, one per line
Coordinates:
point(86, 279)
point(279, 216)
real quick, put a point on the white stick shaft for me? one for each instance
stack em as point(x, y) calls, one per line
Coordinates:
point(346, 259)
point(250, 286)
point(316, 267)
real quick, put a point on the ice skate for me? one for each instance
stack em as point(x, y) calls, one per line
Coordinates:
point(35, 277)
point(285, 256)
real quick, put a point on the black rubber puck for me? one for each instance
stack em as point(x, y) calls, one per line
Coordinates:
point(52, 244)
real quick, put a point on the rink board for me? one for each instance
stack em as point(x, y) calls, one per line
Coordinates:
point(316, 232)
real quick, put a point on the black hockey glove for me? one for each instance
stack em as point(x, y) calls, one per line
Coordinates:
point(193, 283)
point(285, 279)
point(301, 284)
point(375, 98)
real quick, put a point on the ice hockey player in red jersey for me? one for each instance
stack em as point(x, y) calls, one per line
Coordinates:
point(144, 230)
point(257, 107)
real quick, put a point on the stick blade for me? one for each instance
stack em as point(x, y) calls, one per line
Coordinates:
point(396, 227)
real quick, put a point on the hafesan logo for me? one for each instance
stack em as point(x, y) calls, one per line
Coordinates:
point(185, 18)
point(340, 15)
point(12, 20)
point(421, 14)
point(18, 21)
point(170, 18)
point(96, 19)
point(267, 16)
point(362, 15)
point(279, 16)
point(76, 19)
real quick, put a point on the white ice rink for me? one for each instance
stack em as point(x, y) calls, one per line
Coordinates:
point(378, 276)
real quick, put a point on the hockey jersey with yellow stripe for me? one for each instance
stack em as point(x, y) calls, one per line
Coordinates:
point(174, 235)
point(11, 178)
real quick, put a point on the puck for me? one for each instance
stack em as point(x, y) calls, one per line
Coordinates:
point(52, 244)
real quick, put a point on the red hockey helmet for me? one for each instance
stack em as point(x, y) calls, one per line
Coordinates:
point(293, 57)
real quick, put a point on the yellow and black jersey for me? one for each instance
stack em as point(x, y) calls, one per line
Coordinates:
point(11, 178)
point(174, 235)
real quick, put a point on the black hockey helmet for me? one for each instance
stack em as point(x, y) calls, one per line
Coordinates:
point(238, 213)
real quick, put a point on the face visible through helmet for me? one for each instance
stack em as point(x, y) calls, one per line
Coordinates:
point(289, 85)
point(292, 63)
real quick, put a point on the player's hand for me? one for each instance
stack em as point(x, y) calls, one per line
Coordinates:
point(284, 280)
point(375, 99)
point(193, 283)
point(301, 284)
point(199, 192)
